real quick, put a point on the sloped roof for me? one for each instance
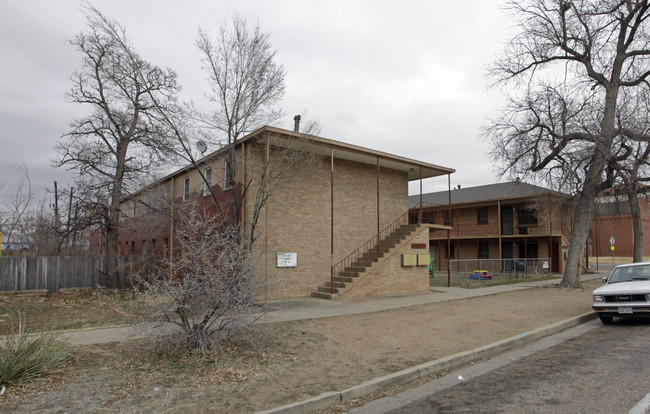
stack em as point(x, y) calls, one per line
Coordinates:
point(484, 193)
point(325, 146)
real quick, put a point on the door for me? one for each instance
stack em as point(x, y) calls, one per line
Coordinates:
point(555, 257)
point(507, 253)
point(506, 221)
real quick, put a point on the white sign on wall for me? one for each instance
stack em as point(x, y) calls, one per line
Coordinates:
point(287, 259)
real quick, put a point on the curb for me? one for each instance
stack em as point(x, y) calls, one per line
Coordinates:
point(453, 361)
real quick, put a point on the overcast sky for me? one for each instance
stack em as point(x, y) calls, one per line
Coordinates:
point(404, 77)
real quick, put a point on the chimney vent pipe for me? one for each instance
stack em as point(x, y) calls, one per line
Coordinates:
point(296, 123)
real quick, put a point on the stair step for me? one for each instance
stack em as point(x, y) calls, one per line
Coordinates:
point(344, 279)
point(364, 262)
point(323, 295)
point(357, 269)
point(341, 279)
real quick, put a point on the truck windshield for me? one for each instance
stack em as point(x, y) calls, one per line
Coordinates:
point(627, 274)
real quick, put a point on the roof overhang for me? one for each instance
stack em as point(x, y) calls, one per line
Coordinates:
point(326, 147)
point(343, 151)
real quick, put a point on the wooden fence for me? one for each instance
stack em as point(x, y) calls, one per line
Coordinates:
point(59, 272)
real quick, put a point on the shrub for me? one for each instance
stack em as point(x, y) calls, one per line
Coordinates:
point(26, 357)
point(211, 294)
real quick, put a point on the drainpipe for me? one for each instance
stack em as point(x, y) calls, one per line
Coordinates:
point(266, 205)
point(448, 231)
point(420, 218)
point(170, 246)
point(378, 230)
point(332, 220)
point(550, 239)
point(499, 231)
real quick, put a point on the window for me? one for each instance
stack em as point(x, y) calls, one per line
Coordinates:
point(452, 249)
point(228, 175)
point(449, 221)
point(133, 211)
point(186, 188)
point(145, 248)
point(482, 215)
point(207, 183)
point(165, 247)
point(133, 247)
point(526, 216)
point(167, 194)
point(484, 250)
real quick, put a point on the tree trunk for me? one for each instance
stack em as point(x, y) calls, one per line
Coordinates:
point(582, 218)
point(113, 220)
point(585, 206)
point(112, 271)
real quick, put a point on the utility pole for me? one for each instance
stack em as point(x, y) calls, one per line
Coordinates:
point(70, 209)
point(56, 205)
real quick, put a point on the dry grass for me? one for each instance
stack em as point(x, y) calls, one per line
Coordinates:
point(55, 312)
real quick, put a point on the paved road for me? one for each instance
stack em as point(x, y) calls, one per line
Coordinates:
point(588, 369)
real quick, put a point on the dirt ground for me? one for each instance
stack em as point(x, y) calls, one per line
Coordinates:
point(301, 360)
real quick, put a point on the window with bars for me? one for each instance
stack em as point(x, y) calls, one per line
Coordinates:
point(482, 215)
point(449, 218)
point(526, 216)
point(207, 183)
point(228, 176)
point(186, 188)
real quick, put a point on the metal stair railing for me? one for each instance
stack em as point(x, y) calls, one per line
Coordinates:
point(372, 249)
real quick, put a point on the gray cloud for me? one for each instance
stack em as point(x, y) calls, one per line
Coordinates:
point(404, 77)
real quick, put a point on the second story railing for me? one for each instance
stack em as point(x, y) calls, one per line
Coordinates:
point(493, 228)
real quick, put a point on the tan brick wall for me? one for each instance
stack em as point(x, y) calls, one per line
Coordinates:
point(298, 222)
point(389, 277)
point(355, 203)
point(299, 215)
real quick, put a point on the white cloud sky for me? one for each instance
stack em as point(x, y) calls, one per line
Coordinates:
point(403, 77)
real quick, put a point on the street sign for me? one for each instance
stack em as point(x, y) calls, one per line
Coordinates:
point(611, 241)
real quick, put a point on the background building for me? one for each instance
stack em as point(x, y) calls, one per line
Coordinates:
point(515, 225)
point(612, 218)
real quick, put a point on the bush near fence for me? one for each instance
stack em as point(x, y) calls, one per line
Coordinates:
point(61, 272)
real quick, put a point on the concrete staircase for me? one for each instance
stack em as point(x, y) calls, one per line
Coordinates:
point(345, 278)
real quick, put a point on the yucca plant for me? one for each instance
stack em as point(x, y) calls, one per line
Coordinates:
point(26, 357)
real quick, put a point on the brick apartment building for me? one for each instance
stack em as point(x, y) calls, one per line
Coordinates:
point(612, 218)
point(319, 230)
point(505, 221)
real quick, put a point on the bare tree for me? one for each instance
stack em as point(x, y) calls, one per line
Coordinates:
point(570, 61)
point(15, 209)
point(123, 136)
point(210, 288)
point(632, 153)
point(246, 86)
point(209, 292)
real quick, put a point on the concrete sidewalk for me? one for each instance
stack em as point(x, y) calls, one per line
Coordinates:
point(313, 308)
